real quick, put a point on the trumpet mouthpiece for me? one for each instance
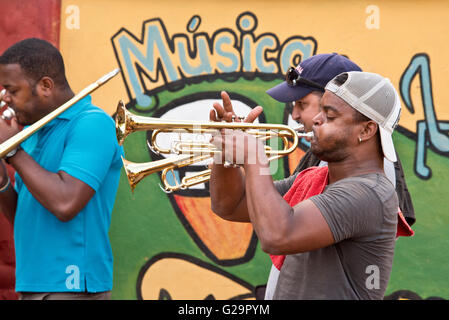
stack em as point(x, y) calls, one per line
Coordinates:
point(299, 128)
point(308, 134)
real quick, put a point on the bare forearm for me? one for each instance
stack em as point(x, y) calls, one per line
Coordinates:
point(47, 187)
point(227, 192)
point(269, 213)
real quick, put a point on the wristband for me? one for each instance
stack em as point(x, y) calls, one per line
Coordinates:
point(11, 154)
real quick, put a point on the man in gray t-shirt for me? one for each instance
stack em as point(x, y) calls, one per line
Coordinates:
point(338, 244)
point(361, 214)
point(304, 108)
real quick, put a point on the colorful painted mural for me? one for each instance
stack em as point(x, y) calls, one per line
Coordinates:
point(175, 59)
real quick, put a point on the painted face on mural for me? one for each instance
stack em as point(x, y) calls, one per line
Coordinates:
point(22, 94)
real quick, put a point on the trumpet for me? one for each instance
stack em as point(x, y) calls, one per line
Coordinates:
point(190, 152)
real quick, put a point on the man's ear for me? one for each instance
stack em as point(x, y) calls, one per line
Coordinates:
point(369, 130)
point(45, 86)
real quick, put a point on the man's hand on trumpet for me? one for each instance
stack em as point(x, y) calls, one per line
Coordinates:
point(8, 129)
point(238, 148)
point(8, 122)
point(226, 112)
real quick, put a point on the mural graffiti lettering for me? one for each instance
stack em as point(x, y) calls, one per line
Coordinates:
point(430, 132)
point(157, 59)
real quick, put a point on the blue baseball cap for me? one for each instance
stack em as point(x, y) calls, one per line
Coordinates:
point(320, 69)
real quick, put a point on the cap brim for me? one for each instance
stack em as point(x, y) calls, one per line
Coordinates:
point(285, 93)
point(387, 145)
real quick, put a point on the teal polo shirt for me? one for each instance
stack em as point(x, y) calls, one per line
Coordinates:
point(56, 256)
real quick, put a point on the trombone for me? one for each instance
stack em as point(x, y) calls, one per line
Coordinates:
point(189, 152)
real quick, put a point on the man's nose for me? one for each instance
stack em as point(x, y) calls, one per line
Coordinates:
point(296, 115)
point(318, 119)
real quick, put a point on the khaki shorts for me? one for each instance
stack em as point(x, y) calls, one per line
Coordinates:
point(65, 295)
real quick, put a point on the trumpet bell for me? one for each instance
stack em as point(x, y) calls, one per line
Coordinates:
point(120, 122)
point(135, 172)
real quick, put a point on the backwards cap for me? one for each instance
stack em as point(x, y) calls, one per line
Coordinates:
point(375, 97)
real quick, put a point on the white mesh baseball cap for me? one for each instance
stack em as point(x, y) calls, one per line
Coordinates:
point(375, 97)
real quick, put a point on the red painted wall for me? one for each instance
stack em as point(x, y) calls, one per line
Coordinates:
point(22, 19)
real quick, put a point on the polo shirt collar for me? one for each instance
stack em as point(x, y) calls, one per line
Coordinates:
point(71, 112)
point(67, 115)
point(75, 109)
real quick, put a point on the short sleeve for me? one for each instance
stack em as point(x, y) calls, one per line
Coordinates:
point(90, 148)
point(351, 209)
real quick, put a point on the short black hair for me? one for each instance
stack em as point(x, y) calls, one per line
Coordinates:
point(38, 58)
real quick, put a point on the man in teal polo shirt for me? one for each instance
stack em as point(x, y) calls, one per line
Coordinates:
point(67, 175)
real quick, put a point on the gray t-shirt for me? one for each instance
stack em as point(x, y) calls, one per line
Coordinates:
point(362, 215)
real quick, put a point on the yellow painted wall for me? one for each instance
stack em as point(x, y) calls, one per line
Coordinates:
point(406, 28)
